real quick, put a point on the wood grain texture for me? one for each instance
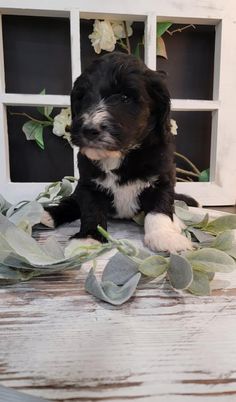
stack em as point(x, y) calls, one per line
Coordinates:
point(60, 343)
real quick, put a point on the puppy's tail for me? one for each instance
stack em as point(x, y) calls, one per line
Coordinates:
point(191, 202)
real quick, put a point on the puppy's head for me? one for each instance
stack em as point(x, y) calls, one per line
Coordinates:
point(116, 103)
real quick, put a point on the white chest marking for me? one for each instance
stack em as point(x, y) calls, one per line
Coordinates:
point(125, 196)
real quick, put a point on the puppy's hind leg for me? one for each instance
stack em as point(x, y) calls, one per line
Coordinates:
point(67, 211)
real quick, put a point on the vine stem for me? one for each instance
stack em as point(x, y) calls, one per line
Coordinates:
point(195, 169)
point(180, 29)
point(127, 38)
point(48, 123)
point(186, 172)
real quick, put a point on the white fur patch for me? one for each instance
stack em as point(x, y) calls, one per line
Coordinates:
point(110, 163)
point(47, 220)
point(98, 115)
point(125, 196)
point(97, 154)
point(163, 234)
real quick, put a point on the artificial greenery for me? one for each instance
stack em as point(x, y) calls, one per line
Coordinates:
point(22, 257)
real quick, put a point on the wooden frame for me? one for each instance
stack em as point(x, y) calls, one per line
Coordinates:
point(221, 189)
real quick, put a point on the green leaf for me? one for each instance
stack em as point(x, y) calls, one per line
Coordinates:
point(119, 269)
point(180, 272)
point(221, 224)
point(66, 188)
point(200, 235)
point(204, 175)
point(30, 212)
point(210, 260)
point(162, 27)
point(189, 218)
point(4, 205)
point(109, 291)
point(200, 285)
point(137, 50)
point(9, 276)
point(226, 241)
point(34, 131)
point(153, 266)
point(203, 223)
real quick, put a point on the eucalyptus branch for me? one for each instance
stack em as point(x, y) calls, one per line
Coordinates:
point(44, 122)
point(195, 169)
point(127, 38)
point(180, 29)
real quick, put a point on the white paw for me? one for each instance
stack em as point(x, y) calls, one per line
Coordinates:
point(47, 220)
point(166, 240)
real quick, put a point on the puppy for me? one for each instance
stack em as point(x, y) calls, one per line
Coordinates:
point(120, 122)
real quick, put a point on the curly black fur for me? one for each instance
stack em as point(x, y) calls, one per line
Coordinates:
point(118, 104)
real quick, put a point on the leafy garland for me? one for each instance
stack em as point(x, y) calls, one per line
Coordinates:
point(22, 257)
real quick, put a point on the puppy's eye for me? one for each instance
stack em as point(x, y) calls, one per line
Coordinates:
point(124, 98)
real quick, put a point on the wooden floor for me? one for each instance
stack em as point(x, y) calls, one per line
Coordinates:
point(60, 343)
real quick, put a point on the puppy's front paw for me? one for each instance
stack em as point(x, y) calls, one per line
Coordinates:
point(164, 240)
point(47, 220)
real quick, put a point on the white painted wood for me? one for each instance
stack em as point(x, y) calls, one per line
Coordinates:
point(75, 62)
point(4, 151)
point(150, 41)
point(15, 192)
point(208, 193)
point(194, 105)
point(60, 343)
point(34, 100)
point(205, 10)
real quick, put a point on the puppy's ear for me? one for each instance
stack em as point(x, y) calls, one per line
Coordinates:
point(159, 98)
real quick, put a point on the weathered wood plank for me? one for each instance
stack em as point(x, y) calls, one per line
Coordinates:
point(60, 343)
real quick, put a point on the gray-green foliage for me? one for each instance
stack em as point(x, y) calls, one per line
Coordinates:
point(22, 257)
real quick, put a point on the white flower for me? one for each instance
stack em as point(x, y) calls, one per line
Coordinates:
point(119, 29)
point(173, 127)
point(60, 122)
point(102, 37)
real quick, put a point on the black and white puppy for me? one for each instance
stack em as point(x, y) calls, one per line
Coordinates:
point(120, 122)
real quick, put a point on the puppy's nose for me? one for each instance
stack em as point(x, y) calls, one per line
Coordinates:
point(89, 130)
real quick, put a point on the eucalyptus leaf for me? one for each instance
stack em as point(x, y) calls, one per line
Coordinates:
point(66, 188)
point(200, 235)
point(153, 266)
point(30, 212)
point(188, 217)
point(4, 205)
point(34, 131)
point(210, 260)
point(9, 276)
point(181, 204)
point(200, 285)
point(109, 291)
point(203, 223)
point(179, 272)
point(221, 224)
point(23, 244)
point(119, 269)
point(53, 248)
point(26, 226)
point(226, 241)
